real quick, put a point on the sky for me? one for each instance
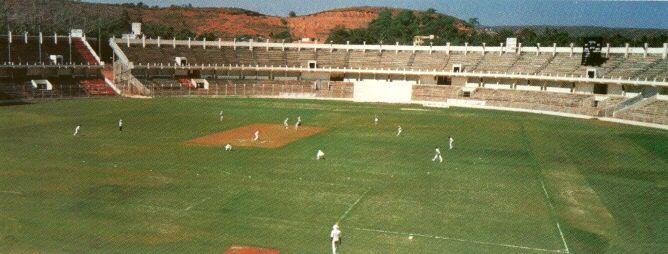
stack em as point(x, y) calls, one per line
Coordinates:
point(615, 13)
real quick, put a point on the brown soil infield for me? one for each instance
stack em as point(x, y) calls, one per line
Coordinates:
point(239, 249)
point(271, 136)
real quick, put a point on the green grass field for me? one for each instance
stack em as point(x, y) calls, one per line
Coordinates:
point(510, 180)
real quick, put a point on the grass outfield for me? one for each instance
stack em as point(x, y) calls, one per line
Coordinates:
point(510, 180)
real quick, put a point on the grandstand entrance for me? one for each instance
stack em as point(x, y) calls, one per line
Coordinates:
point(443, 80)
point(600, 89)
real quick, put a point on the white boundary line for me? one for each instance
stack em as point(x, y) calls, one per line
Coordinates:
point(549, 202)
point(563, 240)
point(457, 239)
point(353, 205)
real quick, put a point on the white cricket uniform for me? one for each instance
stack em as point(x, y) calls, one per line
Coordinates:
point(320, 155)
point(451, 140)
point(375, 120)
point(335, 235)
point(399, 130)
point(256, 135)
point(285, 123)
point(437, 155)
point(228, 147)
point(76, 130)
point(221, 115)
point(120, 125)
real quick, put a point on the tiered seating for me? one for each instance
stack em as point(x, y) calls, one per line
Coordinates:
point(528, 63)
point(297, 58)
point(492, 62)
point(334, 59)
point(393, 60)
point(537, 100)
point(433, 61)
point(22, 52)
point(654, 111)
point(562, 64)
point(632, 66)
point(270, 58)
point(368, 59)
point(468, 62)
point(185, 82)
point(97, 87)
point(434, 92)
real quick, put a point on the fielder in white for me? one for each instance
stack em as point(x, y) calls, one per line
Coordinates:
point(450, 139)
point(399, 130)
point(299, 122)
point(320, 155)
point(228, 147)
point(256, 135)
point(120, 125)
point(375, 119)
point(335, 236)
point(221, 115)
point(285, 123)
point(76, 129)
point(438, 156)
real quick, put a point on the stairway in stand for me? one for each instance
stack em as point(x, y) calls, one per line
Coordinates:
point(84, 51)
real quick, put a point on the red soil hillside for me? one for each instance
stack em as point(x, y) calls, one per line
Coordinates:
point(319, 24)
point(224, 22)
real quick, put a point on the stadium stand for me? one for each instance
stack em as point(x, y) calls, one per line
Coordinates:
point(541, 79)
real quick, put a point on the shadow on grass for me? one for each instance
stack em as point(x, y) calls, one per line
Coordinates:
point(13, 103)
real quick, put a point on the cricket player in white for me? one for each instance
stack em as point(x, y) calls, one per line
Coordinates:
point(399, 130)
point(76, 129)
point(221, 115)
point(450, 139)
point(228, 147)
point(335, 236)
point(320, 155)
point(120, 125)
point(437, 155)
point(285, 123)
point(256, 135)
point(299, 122)
point(375, 119)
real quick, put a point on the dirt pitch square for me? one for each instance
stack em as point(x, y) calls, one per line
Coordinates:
point(271, 136)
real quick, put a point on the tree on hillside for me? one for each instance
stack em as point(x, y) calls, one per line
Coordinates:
point(474, 21)
point(292, 14)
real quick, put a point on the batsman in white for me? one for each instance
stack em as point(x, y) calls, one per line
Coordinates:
point(120, 125)
point(399, 130)
point(335, 236)
point(320, 155)
point(438, 156)
point(450, 140)
point(221, 115)
point(228, 147)
point(285, 123)
point(256, 135)
point(76, 129)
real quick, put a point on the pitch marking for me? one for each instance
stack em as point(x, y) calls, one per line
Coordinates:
point(353, 205)
point(201, 201)
point(549, 202)
point(458, 239)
